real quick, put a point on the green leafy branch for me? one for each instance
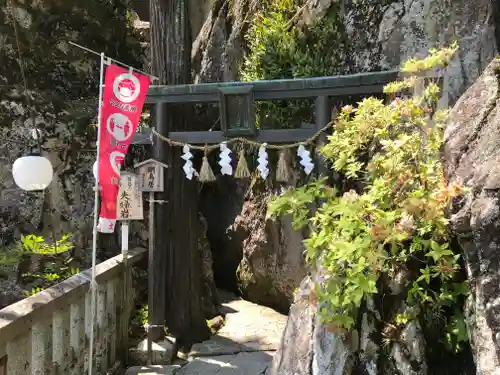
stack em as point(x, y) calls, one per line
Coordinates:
point(398, 218)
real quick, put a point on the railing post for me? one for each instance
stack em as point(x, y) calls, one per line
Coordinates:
point(101, 354)
point(60, 342)
point(77, 336)
point(18, 360)
point(125, 315)
point(87, 327)
point(111, 313)
point(41, 341)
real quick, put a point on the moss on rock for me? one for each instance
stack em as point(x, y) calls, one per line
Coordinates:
point(280, 49)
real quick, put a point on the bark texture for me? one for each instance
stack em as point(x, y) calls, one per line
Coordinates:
point(177, 221)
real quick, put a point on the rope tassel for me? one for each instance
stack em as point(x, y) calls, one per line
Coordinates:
point(283, 172)
point(242, 170)
point(206, 173)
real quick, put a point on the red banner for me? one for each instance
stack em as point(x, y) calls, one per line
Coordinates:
point(123, 99)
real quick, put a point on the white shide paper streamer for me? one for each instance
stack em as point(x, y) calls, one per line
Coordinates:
point(188, 166)
point(262, 160)
point(305, 159)
point(225, 160)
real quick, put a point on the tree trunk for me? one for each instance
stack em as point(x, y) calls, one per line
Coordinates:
point(177, 220)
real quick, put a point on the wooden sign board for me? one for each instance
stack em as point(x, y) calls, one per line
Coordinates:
point(129, 205)
point(150, 174)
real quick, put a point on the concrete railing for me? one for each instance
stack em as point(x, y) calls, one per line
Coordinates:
point(48, 333)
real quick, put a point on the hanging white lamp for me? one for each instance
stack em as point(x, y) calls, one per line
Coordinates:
point(32, 172)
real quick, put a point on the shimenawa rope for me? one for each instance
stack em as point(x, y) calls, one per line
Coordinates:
point(247, 141)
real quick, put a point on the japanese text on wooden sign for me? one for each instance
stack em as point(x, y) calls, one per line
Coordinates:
point(129, 205)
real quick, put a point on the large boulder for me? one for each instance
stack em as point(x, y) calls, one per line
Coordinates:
point(472, 153)
point(263, 259)
point(378, 35)
point(272, 263)
point(309, 347)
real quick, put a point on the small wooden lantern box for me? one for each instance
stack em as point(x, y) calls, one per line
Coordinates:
point(150, 174)
point(237, 111)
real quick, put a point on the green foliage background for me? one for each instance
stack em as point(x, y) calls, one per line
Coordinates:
point(278, 49)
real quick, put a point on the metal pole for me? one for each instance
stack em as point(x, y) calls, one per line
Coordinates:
point(126, 287)
point(93, 284)
point(150, 274)
point(116, 61)
point(125, 232)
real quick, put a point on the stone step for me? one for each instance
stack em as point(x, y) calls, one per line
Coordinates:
point(244, 345)
point(161, 352)
point(153, 370)
point(254, 363)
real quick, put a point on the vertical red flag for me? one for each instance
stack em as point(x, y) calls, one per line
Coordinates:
point(123, 99)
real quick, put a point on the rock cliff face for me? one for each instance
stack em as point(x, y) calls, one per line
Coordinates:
point(472, 154)
point(310, 348)
point(409, 28)
point(219, 47)
point(471, 157)
point(378, 35)
point(62, 83)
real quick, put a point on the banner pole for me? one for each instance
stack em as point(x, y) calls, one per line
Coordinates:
point(93, 284)
point(115, 61)
point(126, 285)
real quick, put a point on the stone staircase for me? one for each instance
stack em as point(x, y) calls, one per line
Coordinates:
point(245, 345)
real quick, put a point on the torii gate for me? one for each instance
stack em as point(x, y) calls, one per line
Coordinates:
point(236, 104)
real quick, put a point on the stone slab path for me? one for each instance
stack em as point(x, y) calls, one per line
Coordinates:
point(245, 345)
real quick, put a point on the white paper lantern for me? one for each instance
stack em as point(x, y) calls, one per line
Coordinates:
point(32, 172)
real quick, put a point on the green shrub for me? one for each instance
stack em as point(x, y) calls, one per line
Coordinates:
point(38, 245)
point(396, 220)
point(279, 50)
